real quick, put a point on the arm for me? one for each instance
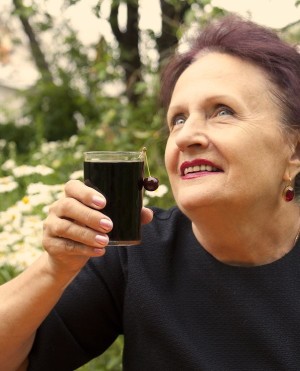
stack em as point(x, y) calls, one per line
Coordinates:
point(25, 302)
point(70, 240)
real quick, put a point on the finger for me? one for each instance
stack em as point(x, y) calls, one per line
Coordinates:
point(83, 193)
point(72, 209)
point(146, 215)
point(72, 231)
point(61, 246)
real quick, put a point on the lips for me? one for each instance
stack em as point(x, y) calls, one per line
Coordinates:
point(198, 167)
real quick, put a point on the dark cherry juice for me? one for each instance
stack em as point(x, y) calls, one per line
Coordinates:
point(121, 184)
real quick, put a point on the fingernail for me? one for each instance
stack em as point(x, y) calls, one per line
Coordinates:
point(98, 201)
point(99, 250)
point(106, 223)
point(103, 240)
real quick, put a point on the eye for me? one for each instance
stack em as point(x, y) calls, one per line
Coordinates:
point(223, 111)
point(178, 120)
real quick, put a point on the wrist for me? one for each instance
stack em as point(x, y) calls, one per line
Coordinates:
point(60, 272)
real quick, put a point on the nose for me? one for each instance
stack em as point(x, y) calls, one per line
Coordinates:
point(192, 133)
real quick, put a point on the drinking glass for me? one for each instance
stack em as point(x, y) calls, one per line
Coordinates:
point(119, 177)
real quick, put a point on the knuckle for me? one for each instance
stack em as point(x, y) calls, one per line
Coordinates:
point(69, 245)
point(89, 216)
point(74, 248)
point(48, 226)
point(86, 236)
point(69, 186)
point(63, 228)
point(66, 205)
point(53, 207)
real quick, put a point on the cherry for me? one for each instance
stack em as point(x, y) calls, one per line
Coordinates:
point(150, 183)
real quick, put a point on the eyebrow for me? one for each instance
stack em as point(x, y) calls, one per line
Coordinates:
point(172, 109)
point(228, 99)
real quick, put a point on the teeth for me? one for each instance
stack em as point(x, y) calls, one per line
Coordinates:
point(194, 169)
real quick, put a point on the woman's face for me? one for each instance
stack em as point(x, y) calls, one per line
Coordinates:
point(226, 146)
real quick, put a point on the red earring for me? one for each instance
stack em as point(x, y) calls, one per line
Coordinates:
point(288, 193)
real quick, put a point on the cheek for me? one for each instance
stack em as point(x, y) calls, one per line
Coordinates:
point(262, 163)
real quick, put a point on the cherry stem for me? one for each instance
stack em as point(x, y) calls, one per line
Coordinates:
point(146, 159)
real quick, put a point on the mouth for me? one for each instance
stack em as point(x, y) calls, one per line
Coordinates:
point(198, 167)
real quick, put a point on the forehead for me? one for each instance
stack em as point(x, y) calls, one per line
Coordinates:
point(222, 74)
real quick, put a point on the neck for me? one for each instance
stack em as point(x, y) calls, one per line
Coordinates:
point(249, 240)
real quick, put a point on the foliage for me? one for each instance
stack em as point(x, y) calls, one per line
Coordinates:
point(18, 137)
point(88, 97)
point(109, 361)
point(75, 78)
point(7, 272)
point(41, 109)
point(39, 184)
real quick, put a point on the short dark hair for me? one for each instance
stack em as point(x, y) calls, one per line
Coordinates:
point(251, 42)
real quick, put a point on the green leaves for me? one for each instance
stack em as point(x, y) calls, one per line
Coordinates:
point(8, 272)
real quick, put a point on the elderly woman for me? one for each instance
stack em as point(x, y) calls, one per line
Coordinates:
point(214, 284)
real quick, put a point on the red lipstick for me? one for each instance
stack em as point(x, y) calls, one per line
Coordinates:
point(198, 162)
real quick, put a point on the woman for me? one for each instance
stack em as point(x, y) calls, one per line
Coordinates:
point(214, 285)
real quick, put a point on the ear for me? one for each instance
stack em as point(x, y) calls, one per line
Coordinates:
point(293, 167)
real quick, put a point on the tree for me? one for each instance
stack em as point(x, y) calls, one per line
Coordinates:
point(77, 88)
point(23, 13)
point(128, 39)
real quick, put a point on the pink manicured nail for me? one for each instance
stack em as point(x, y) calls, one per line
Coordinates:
point(98, 201)
point(105, 223)
point(101, 239)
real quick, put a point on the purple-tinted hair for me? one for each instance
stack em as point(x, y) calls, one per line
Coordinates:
point(253, 43)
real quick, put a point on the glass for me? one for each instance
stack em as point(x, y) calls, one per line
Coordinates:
point(119, 177)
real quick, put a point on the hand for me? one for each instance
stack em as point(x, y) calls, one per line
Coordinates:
point(75, 228)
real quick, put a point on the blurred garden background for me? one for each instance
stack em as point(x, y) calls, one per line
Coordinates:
point(66, 89)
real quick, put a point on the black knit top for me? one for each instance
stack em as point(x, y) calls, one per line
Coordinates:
point(178, 308)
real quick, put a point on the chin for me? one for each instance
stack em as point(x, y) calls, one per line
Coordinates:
point(186, 202)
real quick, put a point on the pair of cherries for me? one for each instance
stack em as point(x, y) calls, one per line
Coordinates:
point(150, 183)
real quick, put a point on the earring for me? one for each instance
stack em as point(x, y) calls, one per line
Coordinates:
point(289, 192)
